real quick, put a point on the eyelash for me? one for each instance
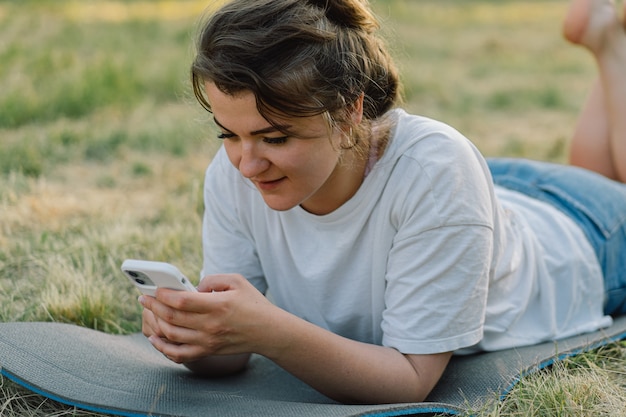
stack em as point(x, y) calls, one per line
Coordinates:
point(271, 141)
point(225, 136)
point(275, 141)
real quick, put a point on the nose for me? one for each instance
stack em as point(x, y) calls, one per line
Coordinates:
point(252, 161)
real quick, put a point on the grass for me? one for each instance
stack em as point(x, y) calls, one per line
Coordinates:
point(591, 384)
point(102, 152)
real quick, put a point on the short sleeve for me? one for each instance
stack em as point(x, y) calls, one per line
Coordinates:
point(438, 269)
point(437, 290)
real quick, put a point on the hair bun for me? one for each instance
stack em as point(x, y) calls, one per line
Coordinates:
point(353, 14)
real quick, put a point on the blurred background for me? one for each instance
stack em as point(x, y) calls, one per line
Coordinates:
point(103, 149)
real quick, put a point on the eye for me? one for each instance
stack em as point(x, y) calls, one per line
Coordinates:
point(276, 141)
point(226, 135)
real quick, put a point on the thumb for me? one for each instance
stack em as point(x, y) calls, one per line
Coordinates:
point(219, 282)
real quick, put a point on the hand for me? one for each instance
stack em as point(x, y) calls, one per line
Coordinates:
point(227, 316)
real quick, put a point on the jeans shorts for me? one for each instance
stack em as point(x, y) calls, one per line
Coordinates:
point(596, 203)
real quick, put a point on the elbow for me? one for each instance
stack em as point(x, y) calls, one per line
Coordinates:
point(408, 392)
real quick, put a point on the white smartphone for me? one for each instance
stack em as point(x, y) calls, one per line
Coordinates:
point(150, 275)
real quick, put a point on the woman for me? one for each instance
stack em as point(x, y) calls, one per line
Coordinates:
point(380, 235)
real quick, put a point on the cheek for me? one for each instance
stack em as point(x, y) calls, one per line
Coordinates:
point(319, 162)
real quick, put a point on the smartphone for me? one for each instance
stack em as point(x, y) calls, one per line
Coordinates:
point(150, 275)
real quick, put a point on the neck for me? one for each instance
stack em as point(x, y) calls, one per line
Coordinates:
point(341, 186)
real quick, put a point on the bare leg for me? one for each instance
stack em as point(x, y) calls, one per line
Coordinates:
point(590, 146)
point(599, 141)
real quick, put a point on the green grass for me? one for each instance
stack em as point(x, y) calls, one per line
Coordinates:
point(102, 152)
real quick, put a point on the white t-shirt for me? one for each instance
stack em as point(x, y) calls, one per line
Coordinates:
point(426, 257)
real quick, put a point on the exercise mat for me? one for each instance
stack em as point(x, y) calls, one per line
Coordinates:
point(124, 375)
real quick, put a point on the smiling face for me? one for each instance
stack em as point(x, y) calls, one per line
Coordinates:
point(306, 168)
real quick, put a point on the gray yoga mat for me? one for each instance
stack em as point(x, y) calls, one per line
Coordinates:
point(124, 375)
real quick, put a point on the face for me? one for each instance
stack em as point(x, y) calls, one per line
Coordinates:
point(306, 168)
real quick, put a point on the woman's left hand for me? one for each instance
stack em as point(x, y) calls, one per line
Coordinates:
point(227, 316)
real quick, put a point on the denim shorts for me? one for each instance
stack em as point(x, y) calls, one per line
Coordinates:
point(596, 203)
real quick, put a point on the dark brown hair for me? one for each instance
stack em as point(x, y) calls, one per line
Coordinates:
point(298, 57)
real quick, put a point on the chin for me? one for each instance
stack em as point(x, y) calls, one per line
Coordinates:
point(280, 206)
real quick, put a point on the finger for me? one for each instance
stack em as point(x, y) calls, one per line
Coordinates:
point(219, 282)
point(177, 334)
point(146, 301)
point(166, 314)
point(149, 324)
point(191, 302)
point(175, 352)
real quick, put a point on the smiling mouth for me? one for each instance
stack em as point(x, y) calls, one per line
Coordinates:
point(269, 185)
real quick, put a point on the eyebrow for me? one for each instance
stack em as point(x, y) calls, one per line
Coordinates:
point(269, 129)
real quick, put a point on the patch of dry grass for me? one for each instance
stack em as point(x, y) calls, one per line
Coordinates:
point(16, 401)
point(587, 385)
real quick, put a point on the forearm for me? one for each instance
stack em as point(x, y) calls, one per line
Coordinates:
point(208, 325)
point(350, 371)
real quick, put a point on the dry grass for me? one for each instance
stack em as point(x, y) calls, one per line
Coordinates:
point(16, 401)
point(588, 385)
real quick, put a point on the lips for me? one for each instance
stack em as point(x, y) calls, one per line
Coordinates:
point(269, 185)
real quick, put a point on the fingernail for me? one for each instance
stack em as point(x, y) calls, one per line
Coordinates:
point(141, 299)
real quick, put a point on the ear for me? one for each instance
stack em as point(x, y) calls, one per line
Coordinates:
point(357, 110)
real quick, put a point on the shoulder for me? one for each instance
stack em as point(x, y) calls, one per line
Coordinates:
point(222, 175)
point(437, 171)
point(219, 165)
point(431, 142)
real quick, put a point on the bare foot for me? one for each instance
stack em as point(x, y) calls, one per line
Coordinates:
point(576, 20)
point(588, 22)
